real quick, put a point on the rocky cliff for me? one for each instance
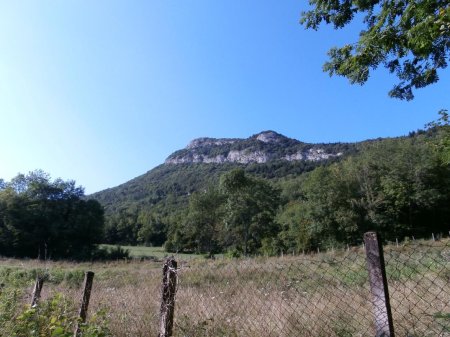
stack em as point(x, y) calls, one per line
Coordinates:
point(260, 148)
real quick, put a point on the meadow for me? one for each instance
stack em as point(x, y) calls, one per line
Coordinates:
point(137, 252)
point(324, 294)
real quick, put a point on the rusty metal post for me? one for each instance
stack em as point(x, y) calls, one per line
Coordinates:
point(88, 280)
point(169, 284)
point(378, 285)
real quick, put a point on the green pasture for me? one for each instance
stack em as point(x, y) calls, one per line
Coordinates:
point(153, 252)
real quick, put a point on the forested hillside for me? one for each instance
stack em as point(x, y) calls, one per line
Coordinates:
point(400, 187)
point(142, 210)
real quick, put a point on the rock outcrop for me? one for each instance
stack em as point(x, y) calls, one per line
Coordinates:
point(260, 148)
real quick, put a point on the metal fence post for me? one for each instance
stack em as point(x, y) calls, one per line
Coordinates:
point(37, 290)
point(168, 298)
point(378, 285)
point(88, 279)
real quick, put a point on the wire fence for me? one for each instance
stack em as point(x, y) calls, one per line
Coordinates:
point(316, 295)
point(313, 295)
point(418, 275)
point(309, 296)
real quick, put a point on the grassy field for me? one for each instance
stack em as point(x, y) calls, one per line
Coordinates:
point(153, 252)
point(318, 295)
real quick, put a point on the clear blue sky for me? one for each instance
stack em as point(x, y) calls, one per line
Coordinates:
point(103, 91)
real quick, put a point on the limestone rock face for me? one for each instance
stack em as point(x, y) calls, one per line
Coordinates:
point(209, 142)
point(269, 137)
point(260, 148)
point(312, 155)
point(244, 157)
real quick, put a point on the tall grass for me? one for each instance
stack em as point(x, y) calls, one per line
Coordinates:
point(315, 295)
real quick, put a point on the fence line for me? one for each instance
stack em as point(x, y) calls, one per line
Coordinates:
point(320, 295)
point(331, 294)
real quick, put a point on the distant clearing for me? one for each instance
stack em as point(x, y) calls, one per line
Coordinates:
point(156, 252)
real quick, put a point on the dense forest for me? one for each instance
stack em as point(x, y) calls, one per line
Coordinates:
point(142, 210)
point(41, 218)
point(399, 186)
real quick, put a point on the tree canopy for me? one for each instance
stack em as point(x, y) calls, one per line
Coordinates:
point(47, 219)
point(250, 210)
point(408, 37)
point(236, 216)
point(398, 187)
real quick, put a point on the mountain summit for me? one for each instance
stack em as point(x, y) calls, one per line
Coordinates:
point(263, 147)
point(269, 137)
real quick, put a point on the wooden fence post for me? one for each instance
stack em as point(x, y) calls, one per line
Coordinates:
point(88, 279)
point(37, 290)
point(169, 284)
point(378, 285)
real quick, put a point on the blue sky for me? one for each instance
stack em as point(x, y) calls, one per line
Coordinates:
point(103, 91)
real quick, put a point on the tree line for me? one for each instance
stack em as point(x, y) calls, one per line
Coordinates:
point(45, 218)
point(398, 187)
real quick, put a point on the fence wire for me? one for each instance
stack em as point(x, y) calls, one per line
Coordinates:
point(418, 274)
point(323, 295)
point(316, 295)
point(125, 295)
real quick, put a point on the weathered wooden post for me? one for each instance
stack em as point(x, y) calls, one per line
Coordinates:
point(378, 285)
point(169, 284)
point(88, 279)
point(37, 290)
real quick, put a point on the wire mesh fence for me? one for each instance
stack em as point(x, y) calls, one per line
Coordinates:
point(316, 295)
point(313, 295)
point(418, 274)
point(322, 295)
point(125, 296)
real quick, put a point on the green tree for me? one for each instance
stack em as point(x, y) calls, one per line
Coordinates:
point(329, 215)
point(152, 230)
point(250, 209)
point(396, 186)
point(44, 218)
point(415, 188)
point(205, 220)
point(410, 38)
point(442, 142)
point(295, 233)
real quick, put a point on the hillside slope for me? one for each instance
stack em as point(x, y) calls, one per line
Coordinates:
point(395, 185)
point(159, 198)
point(267, 154)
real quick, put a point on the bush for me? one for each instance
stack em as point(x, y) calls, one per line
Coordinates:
point(111, 253)
point(54, 317)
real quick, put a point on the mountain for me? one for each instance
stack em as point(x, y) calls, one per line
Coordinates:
point(261, 148)
point(162, 193)
point(267, 154)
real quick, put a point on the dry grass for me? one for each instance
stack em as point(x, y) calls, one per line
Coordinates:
point(322, 295)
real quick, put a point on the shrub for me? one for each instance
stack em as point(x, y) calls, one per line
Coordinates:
point(54, 317)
